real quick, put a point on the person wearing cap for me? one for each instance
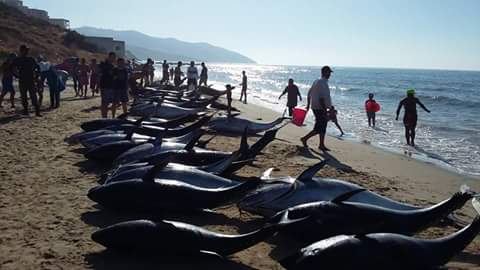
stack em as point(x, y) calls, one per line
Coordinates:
point(7, 80)
point(370, 111)
point(192, 75)
point(292, 93)
point(229, 99)
point(320, 101)
point(27, 69)
point(410, 116)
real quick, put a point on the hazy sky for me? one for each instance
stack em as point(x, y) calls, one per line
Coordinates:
point(377, 33)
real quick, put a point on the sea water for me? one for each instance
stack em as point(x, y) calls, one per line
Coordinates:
point(449, 136)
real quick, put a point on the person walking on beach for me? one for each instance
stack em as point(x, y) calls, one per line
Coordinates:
point(370, 108)
point(120, 81)
point(292, 93)
point(244, 85)
point(229, 99)
point(177, 80)
point(6, 70)
point(94, 71)
point(320, 100)
point(192, 75)
point(54, 86)
point(84, 72)
point(165, 75)
point(26, 69)
point(332, 116)
point(75, 76)
point(203, 75)
point(410, 116)
point(107, 84)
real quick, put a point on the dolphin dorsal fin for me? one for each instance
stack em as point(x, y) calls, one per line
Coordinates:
point(308, 174)
point(266, 174)
point(348, 195)
point(150, 175)
point(244, 147)
point(130, 134)
point(194, 140)
point(138, 123)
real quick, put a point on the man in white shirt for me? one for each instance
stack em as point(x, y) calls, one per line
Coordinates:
point(319, 98)
point(192, 75)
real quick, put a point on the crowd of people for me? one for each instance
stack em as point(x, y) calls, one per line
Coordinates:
point(114, 77)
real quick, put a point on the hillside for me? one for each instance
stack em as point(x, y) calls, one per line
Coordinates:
point(142, 46)
point(42, 37)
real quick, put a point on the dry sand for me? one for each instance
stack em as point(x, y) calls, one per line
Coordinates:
point(46, 219)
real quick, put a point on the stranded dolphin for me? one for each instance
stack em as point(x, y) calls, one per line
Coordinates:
point(338, 216)
point(287, 192)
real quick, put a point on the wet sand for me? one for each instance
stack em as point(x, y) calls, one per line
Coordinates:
point(46, 219)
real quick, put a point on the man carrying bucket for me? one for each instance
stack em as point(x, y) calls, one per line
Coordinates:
point(292, 95)
point(319, 98)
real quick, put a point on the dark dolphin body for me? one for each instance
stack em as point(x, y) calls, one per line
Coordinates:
point(160, 194)
point(174, 238)
point(201, 176)
point(234, 125)
point(336, 217)
point(381, 251)
point(288, 192)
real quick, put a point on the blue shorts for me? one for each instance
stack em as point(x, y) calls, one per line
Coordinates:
point(7, 85)
point(107, 96)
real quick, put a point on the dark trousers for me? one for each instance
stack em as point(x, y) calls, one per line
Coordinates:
point(290, 110)
point(192, 81)
point(54, 98)
point(30, 88)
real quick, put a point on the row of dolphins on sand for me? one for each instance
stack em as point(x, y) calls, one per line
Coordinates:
point(159, 162)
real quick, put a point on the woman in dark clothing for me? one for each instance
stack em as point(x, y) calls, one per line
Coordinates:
point(292, 95)
point(410, 117)
point(7, 80)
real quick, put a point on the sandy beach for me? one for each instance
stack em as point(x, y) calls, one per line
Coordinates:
point(46, 218)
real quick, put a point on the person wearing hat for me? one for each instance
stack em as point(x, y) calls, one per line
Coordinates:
point(7, 80)
point(27, 69)
point(319, 98)
point(410, 116)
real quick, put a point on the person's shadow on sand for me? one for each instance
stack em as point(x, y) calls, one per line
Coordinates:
point(107, 260)
point(334, 162)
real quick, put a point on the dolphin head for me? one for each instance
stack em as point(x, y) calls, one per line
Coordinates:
point(126, 235)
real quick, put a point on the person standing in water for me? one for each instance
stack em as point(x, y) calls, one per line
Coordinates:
point(203, 75)
point(192, 75)
point(319, 98)
point(292, 93)
point(7, 80)
point(244, 85)
point(27, 70)
point(410, 116)
point(370, 104)
point(165, 75)
point(332, 115)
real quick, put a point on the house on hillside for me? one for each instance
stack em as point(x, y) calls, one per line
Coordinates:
point(63, 23)
point(13, 3)
point(36, 13)
point(107, 45)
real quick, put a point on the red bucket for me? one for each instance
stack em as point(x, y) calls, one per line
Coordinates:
point(299, 116)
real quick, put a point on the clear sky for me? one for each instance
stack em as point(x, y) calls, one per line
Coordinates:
point(442, 34)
